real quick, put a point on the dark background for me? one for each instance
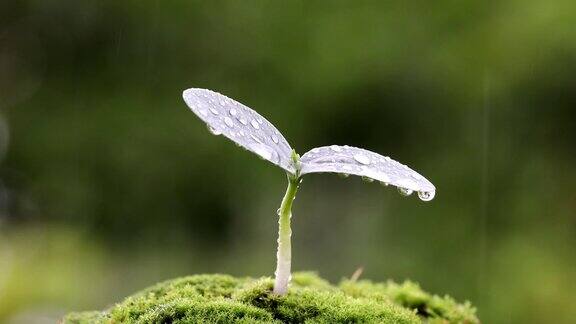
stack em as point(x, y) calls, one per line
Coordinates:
point(108, 183)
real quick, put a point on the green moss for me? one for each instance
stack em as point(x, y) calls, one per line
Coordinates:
point(225, 299)
point(410, 295)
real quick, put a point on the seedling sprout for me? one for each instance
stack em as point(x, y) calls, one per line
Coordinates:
point(253, 132)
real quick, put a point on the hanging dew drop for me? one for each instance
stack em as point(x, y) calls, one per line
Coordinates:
point(405, 191)
point(367, 179)
point(214, 131)
point(426, 195)
point(343, 175)
point(385, 184)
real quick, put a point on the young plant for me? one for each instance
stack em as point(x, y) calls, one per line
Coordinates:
point(253, 132)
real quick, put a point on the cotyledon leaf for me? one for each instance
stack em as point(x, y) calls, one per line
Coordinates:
point(240, 124)
point(352, 160)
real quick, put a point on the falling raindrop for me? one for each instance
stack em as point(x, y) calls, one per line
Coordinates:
point(228, 122)
point(405, 191)
point(363, 159)
point(426, 195)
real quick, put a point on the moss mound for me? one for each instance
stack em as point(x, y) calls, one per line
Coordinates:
point(225, 299)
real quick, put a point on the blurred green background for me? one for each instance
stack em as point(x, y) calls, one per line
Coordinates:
point(108, 183)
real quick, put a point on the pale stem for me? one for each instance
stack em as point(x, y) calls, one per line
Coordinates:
point(284, 254)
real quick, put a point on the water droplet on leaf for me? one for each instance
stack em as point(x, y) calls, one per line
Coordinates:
point(363, 159)
point(336, 148)
point(264, 151)
point(228, 122)
point(255, 138)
